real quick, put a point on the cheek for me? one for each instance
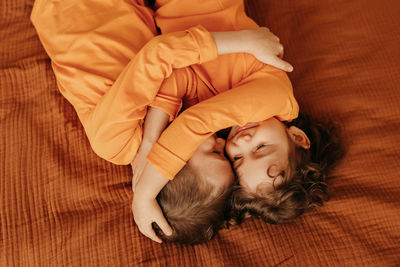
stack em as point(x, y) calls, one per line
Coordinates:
point(252, 175)
point(247, 183)
point(228, 149)
point(219, 174)
point(206, 145)
point(228, 177)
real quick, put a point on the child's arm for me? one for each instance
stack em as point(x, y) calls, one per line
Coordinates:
point(154, 124)
point(144, 198)
point(261, 43)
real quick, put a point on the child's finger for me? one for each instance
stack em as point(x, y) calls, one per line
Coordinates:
point(148, 232)
point(281, 64)
point(163, 224)
point(152, 235)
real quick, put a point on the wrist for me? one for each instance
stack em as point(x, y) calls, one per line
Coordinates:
point(222, 40)
point(231, 42)
point(148, 141)
point(143, 195)
point(150, 183)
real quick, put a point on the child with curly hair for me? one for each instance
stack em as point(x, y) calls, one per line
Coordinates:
point(281, 167)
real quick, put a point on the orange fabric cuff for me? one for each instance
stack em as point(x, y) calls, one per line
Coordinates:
point(207, 47)
point(168, 105)
point(165, 161)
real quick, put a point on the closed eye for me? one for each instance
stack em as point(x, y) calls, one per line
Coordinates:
point(217, 152)
point(260, 147)
point(236, 158)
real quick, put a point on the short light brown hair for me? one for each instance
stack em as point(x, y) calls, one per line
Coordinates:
point(194, 209)
point(304, 183)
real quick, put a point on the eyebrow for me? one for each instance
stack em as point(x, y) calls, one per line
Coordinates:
point(266, 153)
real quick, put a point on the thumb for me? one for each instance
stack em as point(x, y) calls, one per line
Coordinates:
point(280, 64)
point(164, 226)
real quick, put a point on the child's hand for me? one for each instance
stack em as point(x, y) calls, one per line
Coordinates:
point(145, 212)
point(265, 46)
point(144, 205)
point(260, 42)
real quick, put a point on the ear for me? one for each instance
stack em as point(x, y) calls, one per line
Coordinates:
point(299, 137)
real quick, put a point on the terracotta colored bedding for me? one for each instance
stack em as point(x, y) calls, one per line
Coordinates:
point(61, 205)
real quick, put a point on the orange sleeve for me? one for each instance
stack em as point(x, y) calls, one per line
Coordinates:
point(262, 95)
point(112, 126)
point(173, 90)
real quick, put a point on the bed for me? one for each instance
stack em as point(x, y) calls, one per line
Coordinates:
point(61, 205)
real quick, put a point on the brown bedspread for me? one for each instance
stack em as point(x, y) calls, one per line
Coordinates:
point(61, 205)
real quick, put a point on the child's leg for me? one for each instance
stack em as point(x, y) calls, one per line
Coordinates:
point(214, 15)
point(90, 42)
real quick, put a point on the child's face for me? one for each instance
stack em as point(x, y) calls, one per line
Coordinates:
point(259, 151)
point(209, 160)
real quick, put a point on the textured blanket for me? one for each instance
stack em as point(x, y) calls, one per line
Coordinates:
point(61, 205)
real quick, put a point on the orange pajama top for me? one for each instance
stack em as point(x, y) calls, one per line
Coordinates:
point(94, 47)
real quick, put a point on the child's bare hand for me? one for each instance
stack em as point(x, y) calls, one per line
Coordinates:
point(266, 47)
point(260, 42)
point(145, 212)
point(145, 208)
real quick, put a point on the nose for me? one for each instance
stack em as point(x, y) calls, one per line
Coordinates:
point(219, 140)
point(242, 137)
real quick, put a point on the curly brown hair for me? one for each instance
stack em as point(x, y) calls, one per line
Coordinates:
point(194, 208)
point(304, 183)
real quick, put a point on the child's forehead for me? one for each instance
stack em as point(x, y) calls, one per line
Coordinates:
point(221, 179)
point(216, 171)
